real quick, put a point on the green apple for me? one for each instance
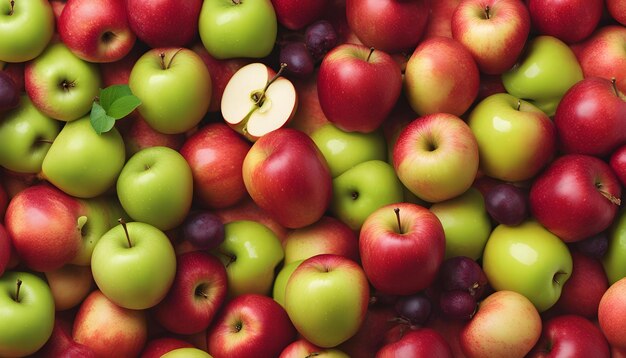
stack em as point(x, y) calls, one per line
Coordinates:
point(25, 137)
point(238, 28)
point(174, 86)
point(60, 84)
point(156, 187)
point(546, 70)
point(361, 190)
point(26, 28)
point(527, 259)
point(278, 290)
point(466, 223)
point(188, 352)
point(82, 163)
point(343, 150)
point(26, 313)
point(134, 265)
point(613, 260)
point(515, 138)
point(250, 252)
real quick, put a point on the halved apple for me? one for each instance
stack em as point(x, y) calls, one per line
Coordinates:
point(257, 101)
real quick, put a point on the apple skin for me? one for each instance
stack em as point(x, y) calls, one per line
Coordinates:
point(138, 134)
point(389, 25)
point(575, 197)
point(106, 37)
point(440, 18)
point(303, 348)
point(612, 314)
point(602, 55)
point(370, 337)
point(612, 261)
point(617, 10)
point(404, 260)
point(358, 87)
point(21, 41)
point(297, 15)
point(286, 175)
point(164, 23)
point(69, 285)
point(505, 325)
point(591, 118)
point(5, 249)
point(617, 161)
point(248, 210)
point(118, 72)
point(280, 282)
point(250, 325)
point(548, 17)
point(157, 347)
point(441, 76)
point(309, 117)
point(61, 343)
point(215, 154)
point(495, 37)
point(422, 342)
point(108, 329)
point(572, 336)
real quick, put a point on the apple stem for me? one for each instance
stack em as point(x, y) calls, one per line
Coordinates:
point(66, 85)
point(12, 7)
point(231, 258)
point(370, 54)
point(169, 64)
point(614, 83)
point(162, 57)
point(612, 198)
point(487, 16)
point(17, 291)
point(236, 2)
point(259, 97)
point(123, 223)
point(397, 211)
point(519, 104)
point(313, 354)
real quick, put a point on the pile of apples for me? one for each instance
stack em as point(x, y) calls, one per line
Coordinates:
point(300, 178)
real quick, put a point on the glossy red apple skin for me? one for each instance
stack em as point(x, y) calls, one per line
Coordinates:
point(118, 72)
point(309, 117)
point(575, 197)
point(570, 336)
point(612, 314)
point(617, 161)
point(422, 342)
point(5, 249)
point(603, 55)
point(553, 17)
point(295, 15)
point(157, 347)
point(61, 344)
point(249, 210)
point(138, 134)
point(440, 18)
point(617, 10)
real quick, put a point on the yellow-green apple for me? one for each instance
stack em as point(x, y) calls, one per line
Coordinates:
point(422, 342)
point(248, 210)
point(69, 285)
point(303, 348)
point(106, 37)
point(362, 189)
point(60, 84)
point(494, 32)
point(61, 343)
point(506, 324)
point(174, 87)
point(297, 15)
point(549, 17)
point(326, 298)
point(25, 137)
point(215, 154)
point(188, 352)
point(436, 157)
point(157, 347)
point(543, 73)
point(401, 246)
point(134, 265)
point(20, 41)
point(617, 161)
point(343, 150)
point(83, 163)
point(602, 54)
point(328, 235)
point(572, 336)
point(286, 175)
point(576, 197)
point(237, 28)
point(108, 329)
point(156, 187)
point(27, 313)
point(281, 279)
point(250, 325)
point(5, 249)
point(358, 87)
point(9, 92)
point(440, 18)
point(529, 134)
point(258, 100)
point(613, 260)
point(138, 134)
point(165, 23)
point(529, 260)
point(441, 76)
point(388, 25)
point(466, 224)
point(591, 118)
point(612, 314)
point(197, 293)
point(617, 10)
point(250, 252)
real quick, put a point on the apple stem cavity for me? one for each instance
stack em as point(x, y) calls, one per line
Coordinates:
point(519, 104)
point(397, 211)
point(12, 7)
point(123, 223)
point(487, 15)
point(259, 96)
point(313, 354)
point(17, 290)
point(66, 85)
point(369, 54)
point(614, 83)
point(236, 2)
point(556, 277)
point(169, 64)
point(231, 258)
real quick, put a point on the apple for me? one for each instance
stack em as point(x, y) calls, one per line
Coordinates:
point(157, 347)
point(401, 246)
point(106, 37)
point(543, 73)
point(494, 32)
point(578, 187)
point(248, 210)
point(602, 54)
point(118, 72)
point(21, 41)
point(572, 336)
point(326, 298)
point(134, 265)
point(611, 314)
point(548, 17)
point(309, 117)
point(617, 161)
point(441, 76)
point(198, 291)
point(27, 313)
point(250, 325)
point(257, 101)
point(616, 251)
point(440, 18)
point(69, 285)
point(505, 325)
point(189, 352)
point(297, 15)
point(60, 84)
point(617, 10)
point(5, 249)
point(303, 348)
point(156, 187)
point(174, 87)
point(422, 342)
point(529, 134)
point(280, 282)
point(108, 329)
point(380, 318)
point(590, 118)
point(436, 157)
point(237, 28)
point(286, 175)
point(61, 343)
point(358, 87)
point(138, 134)
point(529, 260)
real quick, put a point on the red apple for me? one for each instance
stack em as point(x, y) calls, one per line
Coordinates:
point(303, 348)
point(249, 210)
point(570, 336)
point(157, 347)
point(603, 55)
point(422, 342)
point(61, 344)
point(440, 18)
point(5, 249)
point(69, 285)
point(554, 18)
point(617, 10)
point(138, 134)
point(118, 72)
point(617, 161)
point(295, 15)
point(309, 116)
point(612, 314)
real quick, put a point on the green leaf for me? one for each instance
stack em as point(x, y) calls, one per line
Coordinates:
point(100, 121)
point(110, 94)
point(123, 106)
